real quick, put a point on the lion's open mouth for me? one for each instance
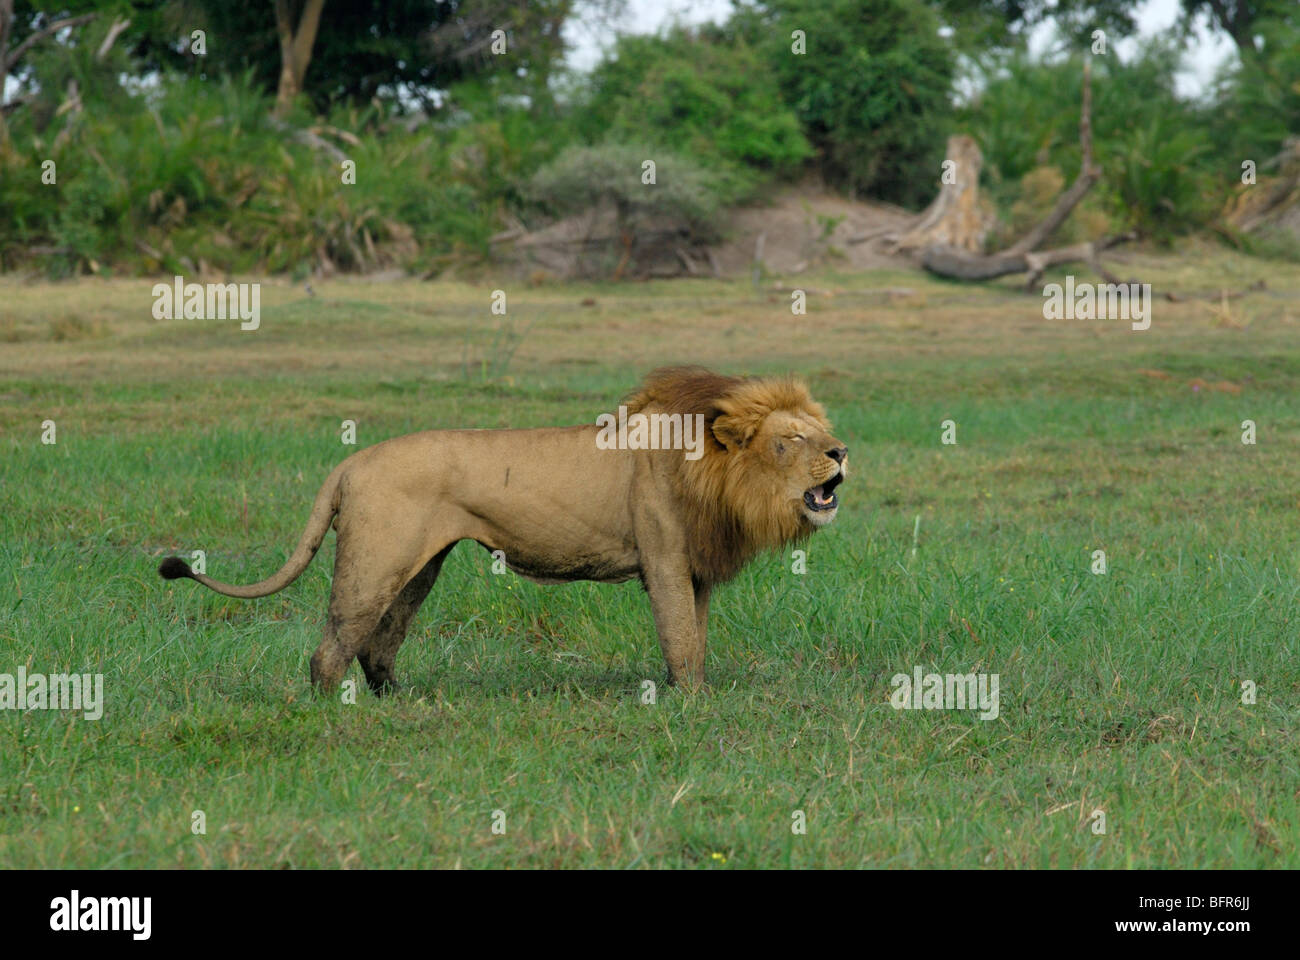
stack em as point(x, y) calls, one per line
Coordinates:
point(823, 497)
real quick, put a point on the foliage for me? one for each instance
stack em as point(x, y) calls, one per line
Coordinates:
point(170, 162)
point(983, 24)
point(1154, 148)
point(1242, 20)
point(871, 91)
point(400, 51)
point(684, 189)
point(197, 173)
point(700, 95)
point(1259, 97)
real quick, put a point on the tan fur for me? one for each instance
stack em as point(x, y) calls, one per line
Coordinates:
point(562, 509)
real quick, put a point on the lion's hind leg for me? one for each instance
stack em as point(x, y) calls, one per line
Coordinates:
point(378, 653)
point(366, 582)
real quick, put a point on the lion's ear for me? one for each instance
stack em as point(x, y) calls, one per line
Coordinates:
point(732, 431)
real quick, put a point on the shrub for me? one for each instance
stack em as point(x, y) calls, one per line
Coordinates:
point(196, 173)
point(1257, 98)
point(684, 189)
point(871, 93)
point(701, 95)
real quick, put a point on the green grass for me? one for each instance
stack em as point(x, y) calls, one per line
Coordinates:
point(1119, 693)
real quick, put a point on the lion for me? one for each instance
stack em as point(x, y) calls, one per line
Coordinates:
point(560, 505)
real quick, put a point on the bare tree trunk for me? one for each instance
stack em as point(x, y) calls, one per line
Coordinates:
point(295, 49)
point(950, 261)
point(953, 219)
point(6, 22)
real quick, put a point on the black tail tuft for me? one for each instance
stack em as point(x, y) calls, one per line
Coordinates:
point(173, 568)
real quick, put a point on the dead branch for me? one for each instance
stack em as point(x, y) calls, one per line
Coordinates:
point(1021, 257)
point(40, 35)
point(960, 265)
point(118, 26)
point(1088, 175)
point(1090, 252)
point(869, 235)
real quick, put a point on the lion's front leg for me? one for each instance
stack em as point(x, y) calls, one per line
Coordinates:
point(678, 621)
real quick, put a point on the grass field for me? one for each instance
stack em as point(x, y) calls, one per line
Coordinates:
point(1119, 692)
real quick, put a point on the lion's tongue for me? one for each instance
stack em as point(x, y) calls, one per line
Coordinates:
point(819, 495)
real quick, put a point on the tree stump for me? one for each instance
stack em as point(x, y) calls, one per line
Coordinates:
point(953, 220)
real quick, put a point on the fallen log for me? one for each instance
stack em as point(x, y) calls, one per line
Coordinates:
point(959, 265)
point(950, 261)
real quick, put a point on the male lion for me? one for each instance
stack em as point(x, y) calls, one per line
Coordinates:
point(560, 508)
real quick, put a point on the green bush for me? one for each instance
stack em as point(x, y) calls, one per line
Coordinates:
point(871, 92)
point(1258, 99)
point(499, 139)
point(1159, 180)
point(684, 190)
point(196, 173)
point(700, 95)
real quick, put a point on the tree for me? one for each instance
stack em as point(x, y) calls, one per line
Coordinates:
point(698, 92)
point(402, 51)
point(297, 33)
point(1242, 19)
point(28, 27)
point(869, 81)
point(981, 24)
point(398, 50)
point(1258, 98)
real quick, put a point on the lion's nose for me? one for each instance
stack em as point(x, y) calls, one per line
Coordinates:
point(838, 453)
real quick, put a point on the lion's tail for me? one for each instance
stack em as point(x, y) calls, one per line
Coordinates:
point(322, 514)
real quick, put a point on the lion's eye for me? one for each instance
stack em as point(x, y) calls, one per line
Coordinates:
point(798, 436)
